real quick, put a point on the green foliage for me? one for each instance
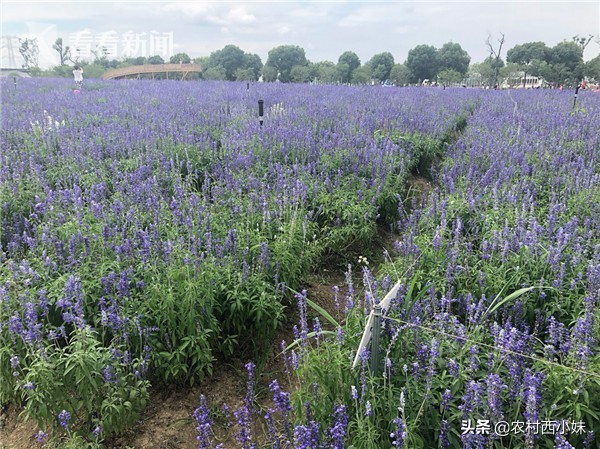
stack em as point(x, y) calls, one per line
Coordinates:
point(180, 58)
point(400, 75)
point(452, 57)
point(283, 58)
point(525, 54)
point(381, 65)
point(486, 69)
point(422, 149)
point(245, 75)
point(216, 73)
point(231, 59)
point(449, 76)
point(325, 72)
point(300, 74)
point(347, 63)
point(423, 62)
point(156, 59)
point(69, 378)
point(361, 75)
point(592, 69)
point(269, 73)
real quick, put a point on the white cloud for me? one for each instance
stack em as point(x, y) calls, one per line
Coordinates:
point(378, 15)
point(190, 11)
point(324, 28)
point(283, 29)
point(46, 11)
point(222, 14)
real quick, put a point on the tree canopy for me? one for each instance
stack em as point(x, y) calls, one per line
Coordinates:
point(348, 62)
point(180, 58)
point(283, 58)
point(324, 72)
point(422, 61)
point(381, 65)
point(524, 54)
point(562, 63)
point(452, 57)
point(592, 69)
point(156, 59)
point(400, 75)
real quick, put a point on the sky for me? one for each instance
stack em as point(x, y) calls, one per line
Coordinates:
point(324, 29)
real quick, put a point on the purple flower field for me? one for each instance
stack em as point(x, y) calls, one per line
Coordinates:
point(149, 229)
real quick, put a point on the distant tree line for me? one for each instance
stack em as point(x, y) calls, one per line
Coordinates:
point(449, 64)
point(561, 64)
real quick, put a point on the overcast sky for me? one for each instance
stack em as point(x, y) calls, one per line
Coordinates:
point(324, 29)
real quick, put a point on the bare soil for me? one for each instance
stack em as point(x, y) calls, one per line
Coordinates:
point(15, 432)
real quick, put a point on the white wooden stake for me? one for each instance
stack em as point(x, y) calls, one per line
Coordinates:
point(367, 333)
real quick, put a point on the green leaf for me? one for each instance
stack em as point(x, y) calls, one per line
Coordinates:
point(514, 295)
point(323, 312)
point(309, 335)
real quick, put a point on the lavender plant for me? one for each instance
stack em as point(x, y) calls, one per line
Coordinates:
point(148, 229)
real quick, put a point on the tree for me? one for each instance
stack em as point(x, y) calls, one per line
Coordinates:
point(64, 52)
point(362, 75)
point(400, 75)
point(300, 74)
point(215, 73)
point(449, 76)
point(348, 62)
point(63, 71)
point(511, 72)
point(583, 41)
point(94, 70)
point(559, 74)
point(487, 70)
point(254, 63)
point(156, 59)
point(567, 53)
point(524, 54)
point(235, 62)
point(230, 58)
point(381, 65)
point(180, 57)
point(452, 56)
point(342, 71)
point(592, 69)
point(566, 59)
point(269, 73)
point(495, 55)
point(529, 57)
point(422, 61)
point(244, 75)
point(324, 72)
point(284, 57)
point(30, 52)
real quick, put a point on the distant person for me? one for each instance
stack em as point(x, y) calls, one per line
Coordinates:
point(78, 76)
